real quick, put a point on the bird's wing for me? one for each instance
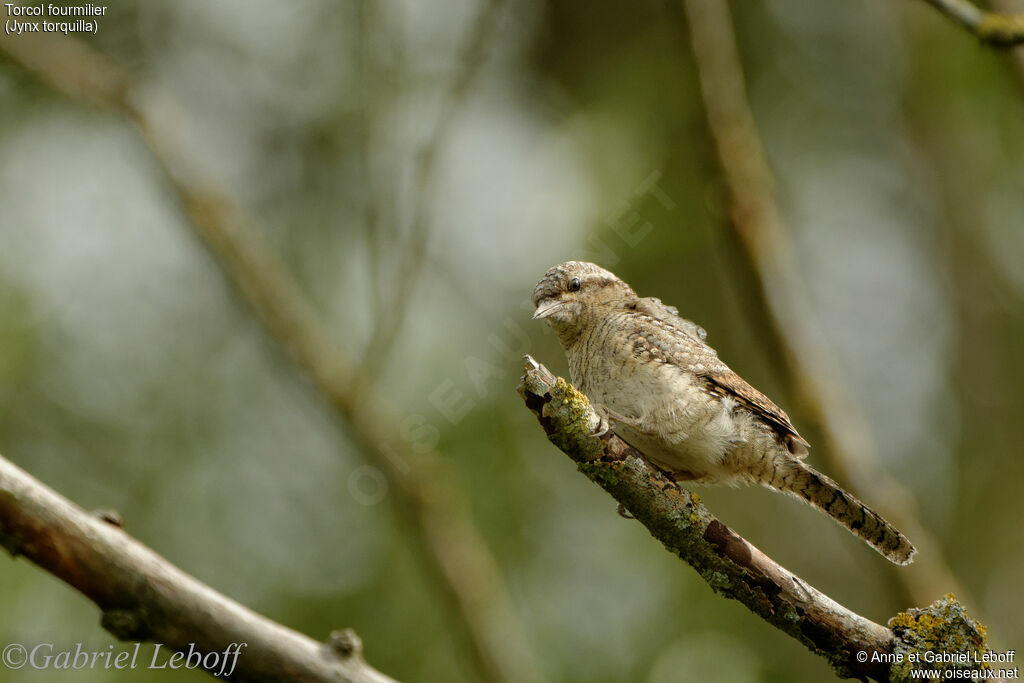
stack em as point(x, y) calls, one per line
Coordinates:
point(721, 379)
point(669, 314)
point(681, 342)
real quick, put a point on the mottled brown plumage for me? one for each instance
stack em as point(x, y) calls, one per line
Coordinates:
point(651, 375)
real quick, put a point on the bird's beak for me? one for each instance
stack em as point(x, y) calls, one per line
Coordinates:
point(547, 308)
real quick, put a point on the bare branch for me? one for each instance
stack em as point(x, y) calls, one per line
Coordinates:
point(145, 598)
point(853, 645)
point(998, 30)
point(422, 490)
point(767, 251)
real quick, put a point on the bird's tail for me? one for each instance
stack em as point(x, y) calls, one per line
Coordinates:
point(796, 478)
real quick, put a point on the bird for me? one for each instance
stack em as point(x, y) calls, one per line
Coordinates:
point(653, 379)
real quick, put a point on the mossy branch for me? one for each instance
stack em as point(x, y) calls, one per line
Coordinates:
point(856, 647)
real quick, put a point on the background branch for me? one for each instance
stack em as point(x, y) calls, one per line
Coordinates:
point(413, 254)
point(766, 250)
point(422, 489)
point(145, 598)
point(729, 563)
point(1000, 30)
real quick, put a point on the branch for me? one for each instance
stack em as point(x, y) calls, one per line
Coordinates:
point(766, 250)
point(391, 315)
point(421, 488)
point(145, 598)
point(853, 645)
point(1016, 56)
point(998, 30)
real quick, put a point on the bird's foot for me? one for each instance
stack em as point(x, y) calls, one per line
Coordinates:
point(604, 425)
point(608, 418)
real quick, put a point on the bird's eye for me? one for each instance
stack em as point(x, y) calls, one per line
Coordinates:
point(574, 285)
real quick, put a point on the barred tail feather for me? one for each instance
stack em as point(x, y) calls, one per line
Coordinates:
point(807, 484)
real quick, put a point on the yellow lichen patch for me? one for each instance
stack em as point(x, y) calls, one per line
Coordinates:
point(938, 638)
point(571, 395)
point(1001, 30)
point(570, 411)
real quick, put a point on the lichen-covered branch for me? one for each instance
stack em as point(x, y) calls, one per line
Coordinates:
point(767, 252)
point(999, 30)
point(421, 488)
point(853, 645)
point(145, 598)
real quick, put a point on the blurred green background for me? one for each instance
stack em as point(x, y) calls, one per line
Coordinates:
point(131, 377)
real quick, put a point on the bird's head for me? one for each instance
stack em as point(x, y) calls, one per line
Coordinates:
point(571, 293)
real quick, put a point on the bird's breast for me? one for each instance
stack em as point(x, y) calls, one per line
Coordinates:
point(612, 369)
point(667, 413)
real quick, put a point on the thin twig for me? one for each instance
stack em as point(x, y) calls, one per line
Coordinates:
point(998, 30)
point(391, 316)
point(422, 489)
point(767, 250)
point(854, 646)
point(145, 598)
point(371, 201)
